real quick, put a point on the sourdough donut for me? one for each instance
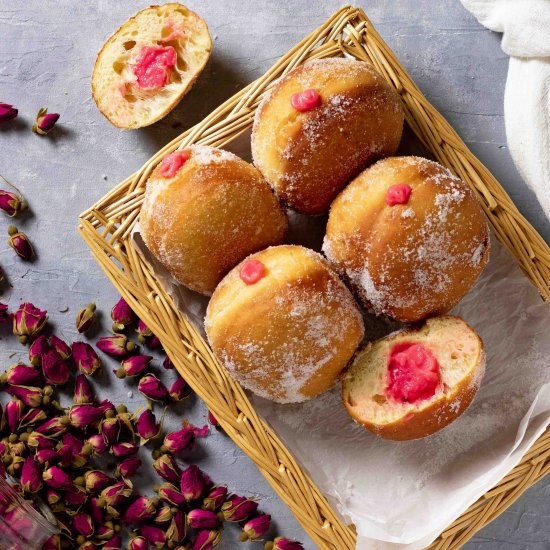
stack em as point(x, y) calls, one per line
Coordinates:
point(204, 211)
point(148, 65)
point(410, 238)
point(321, 124)
point(413, 383)
point(283, 324)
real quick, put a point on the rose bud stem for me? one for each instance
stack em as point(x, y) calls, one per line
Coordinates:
point(20, 243)
point(44, 122)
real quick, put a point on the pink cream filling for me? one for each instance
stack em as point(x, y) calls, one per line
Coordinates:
point(398, 194)
point(153, 66)
point(413, 373)
point(305, 101)
point(172, 163)
point(252, 271)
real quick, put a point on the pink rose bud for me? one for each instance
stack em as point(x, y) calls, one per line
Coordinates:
point(177, 529)
point(83, 391)
point(133, 366)
point(14, 412)
point(46, 456)
point(170, 493)
point(37, 349)
point(44, 122)
point(147, 427)
point(117, 493)
point(4, 315)
point(53, 543)
point(75, 497)
point(256, 528)
point(138, 543)
point(164, 515)
point(85, 318)
point(237, 508)
point(105, 405)
point(96, 511)
point(140, 510)
point(206, 540)
point(83, 524)
point(55, 369)
point(60, 346)
point(154, 343)
point(31, 396)
point(11, 203)
point(28, 321)
point(215, 498)
point(153, 535)
point(103, 532)
point(122, 316)
point(7, 112)
point(152, 388)
point(72, 441)
point(127, 422)
point(21, 375)
point(85, 358)
point(117, 345)
point(114, 543)
point(31, 417)
point(213, 420)
point(20, 243)
point(99, 447)
point(81, 416)
point(143, 331)
point(192, 483)
point(38, 441)
point(181, 440)
point(280, 543)
point(167, 468)
point(52, 496)
point(167, 363)
point(199, 432)
point(128, 467)
point(179, 390)
point(53, 427)
point(31, 476)
point(96, 480)
point(56, 478)
point(124, 449)
point(110, 429)
point(202, 519)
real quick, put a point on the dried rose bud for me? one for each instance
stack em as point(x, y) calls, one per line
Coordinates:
point(53, 427)
point(37, 349)
point(44, 122)
point(127, 467)
point(140, 510)
point(117, 493)
point(83, 391)
point(83, 524)
point(133, 366)
point(18, 449)
point(124, 449)
point(143, 331)
point(82, 416)
point(20, 243)
point(85, 318)
point(138, 543)
point(167, 468)
point(53, 543)
point(56, 478)
point(164, 514)
point(55, 369)
point(167, 363)
point(38, 441)
point(215, 498)
point(126, 419)
point(52, 496)
point(14, 412)
point(46, 456)
point(152, 388)
point(153, 535)
point(213, 420)
point(75, 446)
point(179, 390)
point(60, 346)
point(31, 417)
point(281, 543)
point(31, 396)
point(147, 426)
point(107, 408)
point(96, 505)
point(4, 315)
point(206, 540)
point(153, 343)
point(85, 358)
point(181, 440)
point(117, 345)
point(99, 447)
point(31, 476)
point(87, 545)
point(75, 497)
point(177, 529)
point(202, 519)
point(114, 543)
point(170, 493)
point(237, 508)
point(256, 528)
point(11, 203)
point(28, 321)
point(105, 532)
point(96, 480)
point(21, 375)
point(16, 466)
point(7, 112)
point(122, 315)
point(199, 432)
point(192, 483)
point(110, 429)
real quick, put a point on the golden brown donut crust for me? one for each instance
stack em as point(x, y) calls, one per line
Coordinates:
point(214, 212)
point(309, 157)
point(288, 336)
point(408, 261)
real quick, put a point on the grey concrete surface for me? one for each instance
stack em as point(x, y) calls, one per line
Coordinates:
point(47, 51)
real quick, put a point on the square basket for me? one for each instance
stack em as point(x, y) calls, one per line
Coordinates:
point(107, 225)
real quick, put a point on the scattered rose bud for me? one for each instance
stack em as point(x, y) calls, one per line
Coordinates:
point(37, 349)
point(164, 514)
point(83, 391)
point(53, 427)
point(38, 441)
point(202, 519)
point(199, 432)
point(237, 508)
point(31, 417)
point(281, 543)
point(83, 524)
point(20, 243)
point(181, 440)
point(4, 315)
point(46, 456)
point(126, 420)
point(85, 358)
point(82, 416)
point(153, 535)
point(143, 331)
point(7, 112)
point(117, 493)
point(96, 511)
point(16, 466)
point(153, 343)
point(192, 483)
point(179, 390)
point(107, 408)
point(133, 366)
point(124, 449)
point(14, 412)
point(152, 388)
point(60, 346)
point(170, 493)
point(177, 529)
point(11, 203)
point(167, 363)
point(122, 315)
point(117, 345)
point(44, 122)
point(56, 478)
point(138, 543)
point(128, 467)
point(215, 498)
point(52, 496)
point(75, 497)
point(104, 532)
point(31, 476)
point(140, 510)
point(55, 369)
point(96, 480)
point(21, 375)
point(28, 322)
point(114, 543)
point(31, 396)
point(147, 426)
point(206, 540)
point(110, 429)
point(167, 468)
point(256, 528)
point(53, 543)
point(85, 318)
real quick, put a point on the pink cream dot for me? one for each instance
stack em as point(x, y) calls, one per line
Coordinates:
point(398, 194)
point(305, 101)
point(252, 271)
point(172, 163)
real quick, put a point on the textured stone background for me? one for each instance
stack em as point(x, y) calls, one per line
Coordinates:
point(47, 51)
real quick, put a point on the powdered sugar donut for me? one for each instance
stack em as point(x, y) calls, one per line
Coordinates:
point(321, 124)
point(410, 238)
point(205, 210)
point(283, 324)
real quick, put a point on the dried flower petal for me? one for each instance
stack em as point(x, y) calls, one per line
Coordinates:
point(238, 508)
point(152, 388)
point(202, 519)
point(20, 243)
point(4, 315)
point(56, 478)
point(117, 493)
point(116, 345)
point(170, 493)
point(21, 375)
point(96, 480)
point(55, 369)
point(83, 524)
point(75, 497)
point(179, 390)
point(38, 441)
point(164, 514)
point(44, 122)
point(28, 321)
point(14, 412)
point(128, 467)
point(46, 456)
point(60, 346)
point(53, 427)
point(82, 416)
point(167, 363)
point(192, 483)
point(122, 315)
point(7, 112)
point(133, 366)
point(215, 498)
point(31, 396)
point(213, 420)
point(256, 528)
point(206, 540)
point(181, 440)
point(177, 529)
point(85, 318)
point(31, 476)
point(104, 532)
point(124, 449)
point(37, 349)
point(85, 358)
point(140, 510)
point(153, 535)
point(147, 426)
point(31, 417)
point(167, 468)
point(154, 343)
point(83, 391)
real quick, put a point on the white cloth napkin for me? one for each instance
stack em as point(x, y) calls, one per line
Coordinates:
point(525, 25)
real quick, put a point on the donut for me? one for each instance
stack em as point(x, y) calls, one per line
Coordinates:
point(415, 382)
point(320, 126)
point(409, 237)
point(147, 66)
point(204, 211)
point(283, 324)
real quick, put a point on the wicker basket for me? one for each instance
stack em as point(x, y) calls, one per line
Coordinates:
point(107, 225)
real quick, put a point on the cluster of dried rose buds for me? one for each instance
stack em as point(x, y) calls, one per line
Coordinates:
point(44, 121)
